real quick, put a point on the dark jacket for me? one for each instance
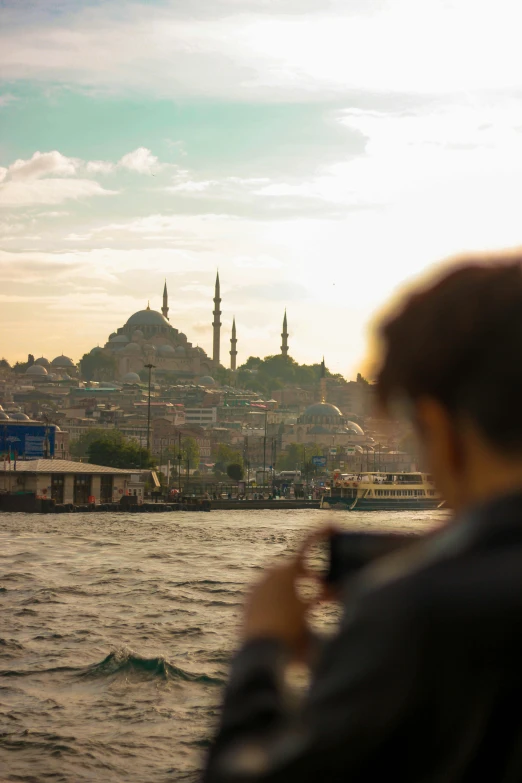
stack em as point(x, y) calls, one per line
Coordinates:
point(423, 681)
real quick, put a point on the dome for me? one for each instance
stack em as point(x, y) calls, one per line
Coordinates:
point(180, 350)
point(3, 416)
point(321, 413)
point(62, 361)
point(319, 430)
point(131, 377)
point(113, 334)
point(206, 380)
point(20, 416)
point(149, 347)
point(147, 318)
point(351, 426)
point(138, 335)
point(43, 362)
point(120, 338)
point(182, 337)
point(132, 349)
point(97, 349)
point(36, 370)
point(166, 350)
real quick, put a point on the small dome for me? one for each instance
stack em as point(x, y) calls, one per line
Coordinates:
point(20, 416)
point(131, 377)
point(206, 380)
point(147, 318)
point(132, 348)
point(149, 348)
point(113, 334)
point(36, 370)
point(182, 337)
point(138, 335)
point(166, 351)
point(120, 338)
point(180, 351)
point(62, 361)
point(3, 416)
point(351, 426)
point(43, 362)
point(95, 350)
point(57, 428)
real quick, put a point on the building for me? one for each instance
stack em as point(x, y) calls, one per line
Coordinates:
point(68, 482)
point(201, 417)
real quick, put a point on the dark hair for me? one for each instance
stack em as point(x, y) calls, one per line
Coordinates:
point(460, 343)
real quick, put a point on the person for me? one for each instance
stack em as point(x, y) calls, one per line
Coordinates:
point(422, 680)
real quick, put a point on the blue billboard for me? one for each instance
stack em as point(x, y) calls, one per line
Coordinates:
point(28, 441)
point(319, 462)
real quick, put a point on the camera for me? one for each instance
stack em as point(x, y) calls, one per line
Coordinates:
point(349, 552)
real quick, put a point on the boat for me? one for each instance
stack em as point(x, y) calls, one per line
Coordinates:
point(376, 491)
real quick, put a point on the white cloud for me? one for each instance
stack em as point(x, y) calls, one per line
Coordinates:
point(100, 167)
point(6, 98)
point(3, 173)
point(49, 191)
point(43, 164)
point(140, 160)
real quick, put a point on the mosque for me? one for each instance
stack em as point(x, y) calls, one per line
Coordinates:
point(148, 338)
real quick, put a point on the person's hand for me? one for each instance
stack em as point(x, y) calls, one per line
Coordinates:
point(276, 610)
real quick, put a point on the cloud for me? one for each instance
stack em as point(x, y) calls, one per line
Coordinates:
point(43, 164)
point(100, 167)
point(49, 191)
point(141, 160)
point(6, 98)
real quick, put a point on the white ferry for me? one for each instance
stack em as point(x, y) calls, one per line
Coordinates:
point(374, 491)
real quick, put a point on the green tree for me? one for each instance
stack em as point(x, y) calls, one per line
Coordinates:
point(116, 451)
point(235, 471)
point(79, 448)
point(224, 455)
point(190, 455)
point(98, 367)
point(21, 367)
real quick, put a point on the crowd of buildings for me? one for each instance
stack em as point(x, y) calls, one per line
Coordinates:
point(162, 388)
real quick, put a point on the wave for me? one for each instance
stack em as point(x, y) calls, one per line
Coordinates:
point(125, 662)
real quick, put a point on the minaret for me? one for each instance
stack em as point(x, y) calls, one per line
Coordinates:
point(216, 323)
point(233, 348)
point(165, 308)
point(284, 335)
point(323, 381)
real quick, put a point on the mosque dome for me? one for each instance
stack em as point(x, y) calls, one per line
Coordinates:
point(62, 361)
point(97, 349)
point(113, 334)
point(138, 335)
point(321, 413)
point(20, 416)
point(182, 337)
point(149, 347)
point(166, 351)
point(36, 370)
point(147, 318)
point(119, 338)
point(131, 377)
point(180, 351)
point(351, 426)
point(206, 380)
point(43, 362)
point(4, 416)
point(132, 348)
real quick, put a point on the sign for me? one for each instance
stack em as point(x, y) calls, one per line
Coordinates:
point(28, 440)
point(350, 450)
point(341, 464)
point(319, 462)
point(333, 450)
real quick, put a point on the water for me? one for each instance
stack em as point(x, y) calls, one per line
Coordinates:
point(116, 632)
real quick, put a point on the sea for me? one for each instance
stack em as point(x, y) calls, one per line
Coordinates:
point(116, 632)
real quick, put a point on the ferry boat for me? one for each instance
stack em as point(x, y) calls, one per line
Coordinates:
point(375, 491)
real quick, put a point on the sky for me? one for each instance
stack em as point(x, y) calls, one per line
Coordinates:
point(319, 153)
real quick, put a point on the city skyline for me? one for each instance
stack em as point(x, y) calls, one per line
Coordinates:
point(143, 141)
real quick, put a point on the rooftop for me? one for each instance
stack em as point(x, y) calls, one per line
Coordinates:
point(61, 466)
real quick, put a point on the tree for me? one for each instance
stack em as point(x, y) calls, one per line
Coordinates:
point(224, 455)
point(190, 455)
point(79, 448)
point(98, 366)
point(4, 364)
point(21, 367)
point(273, 372)
point(116, 451)
point(235, 471)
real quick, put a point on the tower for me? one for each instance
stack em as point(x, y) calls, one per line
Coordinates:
point(323, 381)
point(233, 348)
point(216, 323)
point(284, 335)
point(165, 308)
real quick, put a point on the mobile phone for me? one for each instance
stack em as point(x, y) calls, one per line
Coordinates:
point(349, 552)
